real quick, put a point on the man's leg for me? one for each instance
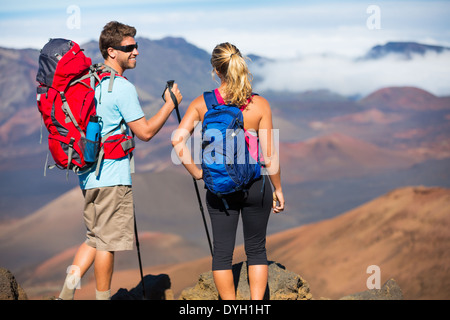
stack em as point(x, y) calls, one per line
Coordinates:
point(103, 268)
point(83, 260)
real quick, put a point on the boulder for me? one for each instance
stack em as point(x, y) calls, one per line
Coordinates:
point(389, 291)
point(9, 288)
point(282, 285)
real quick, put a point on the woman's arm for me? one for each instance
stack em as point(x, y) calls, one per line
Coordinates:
point(270, 154)
point(182, 134)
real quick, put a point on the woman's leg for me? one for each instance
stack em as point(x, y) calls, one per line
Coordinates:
point(258, 277)
point(255, 217)
point(224, 281)
point(224, 225)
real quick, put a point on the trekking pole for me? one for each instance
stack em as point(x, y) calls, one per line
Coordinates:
point(139, 255)
point(169, 86)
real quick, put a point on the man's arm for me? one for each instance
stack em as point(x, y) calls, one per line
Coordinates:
point(145, 129)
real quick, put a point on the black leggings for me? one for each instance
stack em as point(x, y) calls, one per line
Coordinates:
point(255, 206)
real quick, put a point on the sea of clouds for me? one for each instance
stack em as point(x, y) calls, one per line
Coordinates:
point(355, 76)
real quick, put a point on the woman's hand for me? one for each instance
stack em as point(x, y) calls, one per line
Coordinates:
point(278, 201)
point(198, 175)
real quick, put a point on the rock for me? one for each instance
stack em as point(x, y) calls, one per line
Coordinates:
point(156, 288)
point(282, 285)
point(9, 288)
point(286, 285)
point(389, 291)
point(205, 289)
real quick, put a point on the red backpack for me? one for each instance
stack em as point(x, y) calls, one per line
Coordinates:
point(66, 101)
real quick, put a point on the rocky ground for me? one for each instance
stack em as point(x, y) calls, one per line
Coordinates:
point(283, 285)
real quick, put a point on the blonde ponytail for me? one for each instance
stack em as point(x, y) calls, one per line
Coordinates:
point(232, 69)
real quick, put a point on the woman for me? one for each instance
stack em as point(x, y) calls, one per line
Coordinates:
point(254, 205)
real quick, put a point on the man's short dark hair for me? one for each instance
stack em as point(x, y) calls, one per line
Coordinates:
point(112, 35)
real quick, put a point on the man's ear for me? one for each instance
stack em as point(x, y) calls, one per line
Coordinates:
point(111, 53)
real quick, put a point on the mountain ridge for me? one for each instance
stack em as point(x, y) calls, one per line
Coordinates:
point(405, 50)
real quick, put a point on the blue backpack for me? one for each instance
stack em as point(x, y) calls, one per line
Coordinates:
point(226, 161)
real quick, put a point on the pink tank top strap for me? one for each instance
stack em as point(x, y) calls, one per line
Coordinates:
point(221, 101)
point(219, 97)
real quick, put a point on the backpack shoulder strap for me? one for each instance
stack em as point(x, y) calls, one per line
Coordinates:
point(103, 71)
point(106, 71)
point(248, 101)
point(210, 99)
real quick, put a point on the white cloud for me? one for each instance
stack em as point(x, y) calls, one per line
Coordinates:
point(348, 77)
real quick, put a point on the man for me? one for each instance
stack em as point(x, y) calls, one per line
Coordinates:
point(108, 211)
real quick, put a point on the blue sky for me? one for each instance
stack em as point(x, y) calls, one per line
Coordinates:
point(276, 29)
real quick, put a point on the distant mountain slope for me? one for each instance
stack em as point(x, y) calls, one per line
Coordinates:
point(403, 49)
point(336, 156)
point(404, 232)
point(404, 98)
point(17, 83)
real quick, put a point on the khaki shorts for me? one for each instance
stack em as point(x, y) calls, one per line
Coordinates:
point(109, 218)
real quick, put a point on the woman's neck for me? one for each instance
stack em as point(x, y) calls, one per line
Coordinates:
point(222, 90)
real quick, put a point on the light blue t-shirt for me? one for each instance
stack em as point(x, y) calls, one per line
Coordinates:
point(121, 103)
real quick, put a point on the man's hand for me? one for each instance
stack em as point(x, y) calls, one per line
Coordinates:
point(176, 92)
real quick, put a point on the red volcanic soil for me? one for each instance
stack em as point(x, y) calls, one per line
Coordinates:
point(335, 156)
point(404, 98)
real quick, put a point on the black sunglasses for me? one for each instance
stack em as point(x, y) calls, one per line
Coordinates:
point(128, 48)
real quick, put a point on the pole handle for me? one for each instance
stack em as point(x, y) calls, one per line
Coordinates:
point(169, 86)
